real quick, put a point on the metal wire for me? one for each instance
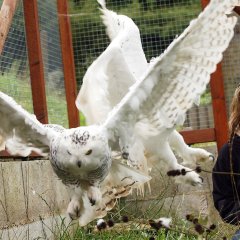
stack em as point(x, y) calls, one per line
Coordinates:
point(230, 66)
point(159, 23)
point(14, 78)
point(52, 61)
point(14, 68)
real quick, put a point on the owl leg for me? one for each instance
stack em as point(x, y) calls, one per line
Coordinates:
point(167, 160)
point(191, 156)
point(94, 195)
point(74, 207)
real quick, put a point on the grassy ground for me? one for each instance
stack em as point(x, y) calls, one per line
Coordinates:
point(190, 227)
point(140, 229)
point(20, 89)
point(123, 231)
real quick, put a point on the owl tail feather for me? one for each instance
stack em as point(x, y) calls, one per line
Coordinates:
point(119, 183)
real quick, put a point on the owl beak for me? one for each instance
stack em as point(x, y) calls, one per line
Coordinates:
point(79, 163)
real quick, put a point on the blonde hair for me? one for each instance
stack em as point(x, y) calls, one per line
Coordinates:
point(234, 119)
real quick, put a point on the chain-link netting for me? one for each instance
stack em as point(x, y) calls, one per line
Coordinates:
point(52, 60)
point(14, 67)
point(231, 66)
point(14, 71)
point(159, 23)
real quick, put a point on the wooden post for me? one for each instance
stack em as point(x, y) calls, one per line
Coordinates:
point(237, 10)
point(68, 62)
point(6, 15)
point(35, 60)
point(218, 102)
point(204, 3)
point(219, 107)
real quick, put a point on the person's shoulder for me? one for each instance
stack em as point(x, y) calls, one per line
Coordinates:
point(222, 161)
point(224, 150)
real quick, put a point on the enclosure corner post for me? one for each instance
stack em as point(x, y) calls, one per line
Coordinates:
point(35, 60)
point(204, 3)
point(6, 15)
point(218, 102)
point(68, 62)
point(219, 107)
point(237, 10)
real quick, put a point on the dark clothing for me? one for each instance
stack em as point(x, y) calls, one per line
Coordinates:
point(226, 187)
point(236, 235)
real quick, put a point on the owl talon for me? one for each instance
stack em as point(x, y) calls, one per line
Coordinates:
point(74, 216)
point(125, 155)
point(211, 157)
point(94, 195)
point(73, 209)
point(92, 201)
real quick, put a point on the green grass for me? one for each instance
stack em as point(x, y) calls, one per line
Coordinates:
point(20, 89)
point(131, 234)
point(124, 231)
point(140, 212)
point(135, 230)
point(17, 88)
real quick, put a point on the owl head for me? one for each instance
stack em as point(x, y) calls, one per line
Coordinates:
point(80, 150)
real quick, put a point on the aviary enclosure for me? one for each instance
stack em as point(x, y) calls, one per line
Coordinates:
point(47, 45)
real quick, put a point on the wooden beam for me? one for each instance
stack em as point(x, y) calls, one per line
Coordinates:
point(219, 107)
point(6, 154)
point(68, 62)
point(35, 60)
point(204, 3)
point(199, 136)
point(6, 15)
point(218, 102)
point(237, 10)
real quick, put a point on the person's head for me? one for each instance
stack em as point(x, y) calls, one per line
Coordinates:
point(234, 119)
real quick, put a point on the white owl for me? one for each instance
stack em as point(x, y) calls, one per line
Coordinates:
point(159, 92)
point(144, 119)
point(80, 157)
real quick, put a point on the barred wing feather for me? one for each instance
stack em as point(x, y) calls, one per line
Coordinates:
point(20, 130)
point(180, 75)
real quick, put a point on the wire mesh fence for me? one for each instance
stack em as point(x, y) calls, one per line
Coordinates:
point(14, 78)
point(14, 68)
point(159, 23)
point(52, 61)
point(230, 65)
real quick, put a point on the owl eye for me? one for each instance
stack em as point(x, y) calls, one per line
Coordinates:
point(69, 153)
point(88, 152)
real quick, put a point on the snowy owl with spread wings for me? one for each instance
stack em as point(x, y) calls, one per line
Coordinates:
point(80, 157)
point(155, 103)
point(160, 92)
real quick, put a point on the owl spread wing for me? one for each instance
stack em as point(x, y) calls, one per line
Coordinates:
point(108, 79)
point(180, 75)
point(95, 98)
point(20, 131)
